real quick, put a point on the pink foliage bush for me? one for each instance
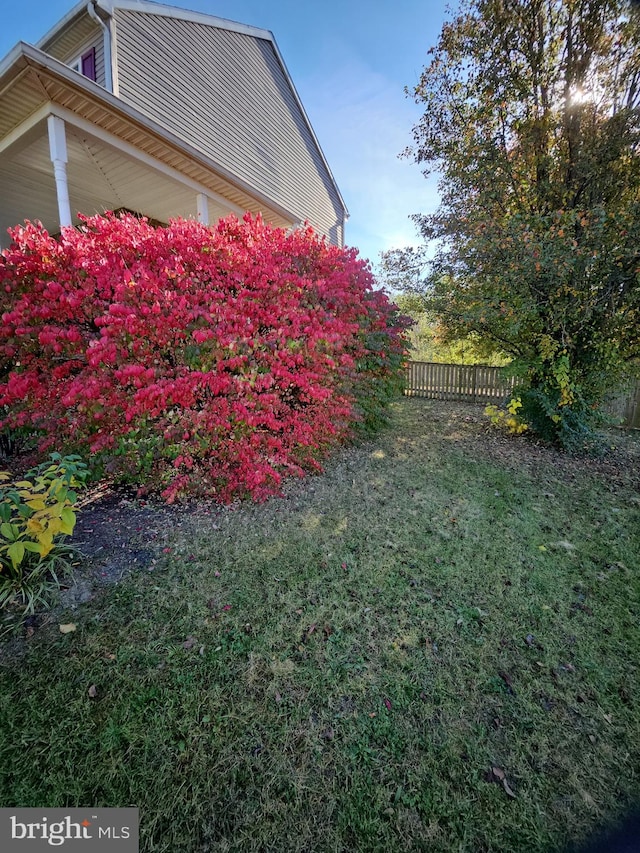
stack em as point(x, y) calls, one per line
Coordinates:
point(192, 359)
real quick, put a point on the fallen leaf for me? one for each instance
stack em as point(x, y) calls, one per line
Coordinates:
point(67, 628)
point(387, 703)
point(92, 691)
point(500, 776)
point(589, 801)
point(189, 643)
point(507, 789)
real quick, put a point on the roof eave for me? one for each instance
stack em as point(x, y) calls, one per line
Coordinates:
point(72, 15)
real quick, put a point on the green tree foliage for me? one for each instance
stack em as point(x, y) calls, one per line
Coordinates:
point(532, 120)
point(427, 338)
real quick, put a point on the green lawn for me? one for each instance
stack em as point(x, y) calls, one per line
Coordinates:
point(432, 646)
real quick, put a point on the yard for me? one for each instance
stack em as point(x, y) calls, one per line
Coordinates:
point(432, 646)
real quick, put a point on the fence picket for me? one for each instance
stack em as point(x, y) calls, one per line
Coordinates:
point(483, 383)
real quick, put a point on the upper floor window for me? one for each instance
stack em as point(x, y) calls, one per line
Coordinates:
point(86, 64)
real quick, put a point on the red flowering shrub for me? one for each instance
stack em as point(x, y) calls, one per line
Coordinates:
point(193, 359)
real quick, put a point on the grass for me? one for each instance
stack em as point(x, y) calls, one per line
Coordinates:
point(432, 646)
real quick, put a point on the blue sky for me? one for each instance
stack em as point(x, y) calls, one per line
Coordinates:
point(350, 61)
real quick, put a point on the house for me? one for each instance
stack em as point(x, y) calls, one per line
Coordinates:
point(162, 111)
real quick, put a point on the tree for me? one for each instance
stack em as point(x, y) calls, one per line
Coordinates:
point(532, 119)
point(425, 337)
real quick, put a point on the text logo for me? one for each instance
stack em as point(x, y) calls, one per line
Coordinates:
point(114, 830)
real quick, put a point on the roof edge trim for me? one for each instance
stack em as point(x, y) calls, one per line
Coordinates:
point(151, 8)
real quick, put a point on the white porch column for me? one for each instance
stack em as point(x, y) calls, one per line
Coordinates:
point(202, 206)
point(58, 151)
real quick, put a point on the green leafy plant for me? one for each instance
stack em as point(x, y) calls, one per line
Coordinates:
point(508, 419)
point(37, 512)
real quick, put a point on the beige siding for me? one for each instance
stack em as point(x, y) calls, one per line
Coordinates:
point(226, 93)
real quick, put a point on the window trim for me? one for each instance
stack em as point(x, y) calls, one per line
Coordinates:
point(86, 61)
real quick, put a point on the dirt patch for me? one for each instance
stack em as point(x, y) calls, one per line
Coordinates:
point(119, 533)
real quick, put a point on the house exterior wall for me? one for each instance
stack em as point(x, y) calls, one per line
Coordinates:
point(76, 39)
point(226, 93)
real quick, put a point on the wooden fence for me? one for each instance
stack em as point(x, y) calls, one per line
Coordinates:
point(474, 382)
point(625, 407)
point(480, 383)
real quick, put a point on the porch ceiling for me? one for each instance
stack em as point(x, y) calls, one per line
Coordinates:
point(100, 178)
